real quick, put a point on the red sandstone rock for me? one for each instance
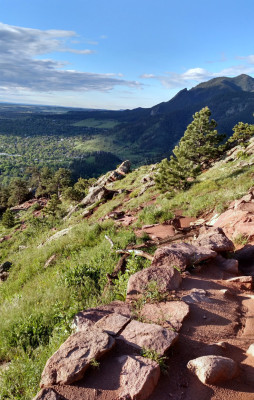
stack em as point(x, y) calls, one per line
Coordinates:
point(167, 278)
point(214, 239)
point(150, 336)
point(69, 363)
point(139, 377)
point(181, 255)
point(169, 315)
point(112, 323)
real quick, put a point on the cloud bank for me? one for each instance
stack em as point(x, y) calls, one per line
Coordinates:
point(26, 63)
point(196, 75)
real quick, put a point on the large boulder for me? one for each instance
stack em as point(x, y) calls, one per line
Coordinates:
point(213, 369)
point(69, 363)
point(112, 323)
point(150, 336)
point(181, 255)
point(139, 377)
point(213, 238)
point(166, 277)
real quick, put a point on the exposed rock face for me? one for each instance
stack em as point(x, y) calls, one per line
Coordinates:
point(169, 315)
point(182, 255)
point(139, 377)
point(97, 193)
point(48, 394)
point(213, 369)
point(167, 278)
point(214, 239)
point(69, 363)
point(150, 336)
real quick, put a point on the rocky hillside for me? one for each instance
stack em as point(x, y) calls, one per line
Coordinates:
point(131, 294)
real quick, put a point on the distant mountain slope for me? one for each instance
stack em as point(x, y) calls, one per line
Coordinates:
point(155, 131)
point(143, 135)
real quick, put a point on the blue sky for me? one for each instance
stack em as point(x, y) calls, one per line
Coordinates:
point(119, 54)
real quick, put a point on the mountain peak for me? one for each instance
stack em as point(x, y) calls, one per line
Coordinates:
point(241, 82)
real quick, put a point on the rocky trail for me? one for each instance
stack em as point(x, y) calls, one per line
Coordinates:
point(191, 311)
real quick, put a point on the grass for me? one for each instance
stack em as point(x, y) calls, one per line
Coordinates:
point(154, 356)
point(241, 239)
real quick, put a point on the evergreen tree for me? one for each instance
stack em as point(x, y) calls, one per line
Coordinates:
point(18, 191)
point(53, 206)
point(8, 220)
point(242, 133)
point(196, 149)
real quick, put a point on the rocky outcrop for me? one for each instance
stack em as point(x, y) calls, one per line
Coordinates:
point(139, 377)
point(213, 369)
point(69, 363)
point(56, 236)
point(166, 277)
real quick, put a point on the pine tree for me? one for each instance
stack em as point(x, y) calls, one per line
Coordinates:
point(196, 149)
point(242, 133)
point(53, 206)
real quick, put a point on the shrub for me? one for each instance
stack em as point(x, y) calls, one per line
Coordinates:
point(8, 220)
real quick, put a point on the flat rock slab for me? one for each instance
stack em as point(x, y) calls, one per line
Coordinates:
point(181, 255)
point(112, 323)
point(214, 238)
point(150, 336)
point(196, 296)
point(69, 363)
point(213, 369)
point(170, 315)
point(167, 278)
point(92, 315)
point(138, 379)
point(48, 394)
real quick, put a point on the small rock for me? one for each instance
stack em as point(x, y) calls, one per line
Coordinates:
point(69, 363)
point(213, 369)
point(222, 344)
point(167, 278)
point(48, 394)
point(139, 377)
point(150, 336)
point(196, 296)
point(250, 350)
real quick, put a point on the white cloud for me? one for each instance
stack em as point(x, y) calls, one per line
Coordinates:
point(192, 76)
point(22, 64)
point(249, 59)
